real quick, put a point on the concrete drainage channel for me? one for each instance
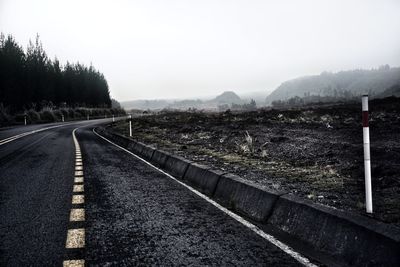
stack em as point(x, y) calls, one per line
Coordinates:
point(343, 237)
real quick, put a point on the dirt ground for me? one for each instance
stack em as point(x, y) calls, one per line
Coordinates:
point(314, 152)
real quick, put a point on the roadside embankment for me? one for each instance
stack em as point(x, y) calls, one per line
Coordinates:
point(346, 237)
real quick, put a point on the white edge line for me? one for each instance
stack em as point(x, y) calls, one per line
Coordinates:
point(15, 137)
point(287, 249)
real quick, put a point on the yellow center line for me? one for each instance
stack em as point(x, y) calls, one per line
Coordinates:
point(78, 188)
point(74, 263)
point(78, 199)
point(77, 215)
point(75, 238)
point(78, 180)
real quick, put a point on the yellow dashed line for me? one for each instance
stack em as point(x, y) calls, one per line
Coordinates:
point(78, 188)
point(78, 180)
point(77, 215)
point(74, 263)
point(75, 238)
point(78, 199)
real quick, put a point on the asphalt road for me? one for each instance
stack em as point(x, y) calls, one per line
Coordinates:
point(133, 214)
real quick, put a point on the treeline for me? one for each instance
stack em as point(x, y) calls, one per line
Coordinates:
point(251, 106)
point(297, 101)
point(338, 96)
point(30, 80)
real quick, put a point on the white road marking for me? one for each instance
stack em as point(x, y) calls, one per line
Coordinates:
point(301, 259)
point(74, 263)
point(15, 137)
point(77, 215)
point(78, 199)
point(78, 188)
point(78, 180)
point(75, 238)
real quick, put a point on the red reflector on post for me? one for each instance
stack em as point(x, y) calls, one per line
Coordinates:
point(365, 118)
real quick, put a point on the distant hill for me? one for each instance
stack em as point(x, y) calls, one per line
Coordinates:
point(228, 97)
point(146, 104)
point(345, 84)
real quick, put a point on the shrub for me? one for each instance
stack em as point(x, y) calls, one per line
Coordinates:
point(65, 112)
point(82, 112)
point(58, 115)
point(72, 114)
point(5, 117)
point(33, 116)
point(47, 116)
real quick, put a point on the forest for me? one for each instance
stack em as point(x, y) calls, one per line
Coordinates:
point(31, 82)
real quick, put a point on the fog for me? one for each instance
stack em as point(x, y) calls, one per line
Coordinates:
point(183, 49)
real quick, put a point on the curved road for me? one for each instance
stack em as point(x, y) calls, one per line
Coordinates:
point(129, 213)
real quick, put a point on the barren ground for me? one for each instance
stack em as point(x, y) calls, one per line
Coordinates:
point(314, 152)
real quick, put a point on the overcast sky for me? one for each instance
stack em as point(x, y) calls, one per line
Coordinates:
point(183, 48)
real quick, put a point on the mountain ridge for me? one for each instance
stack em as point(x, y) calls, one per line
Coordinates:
point(339, 84)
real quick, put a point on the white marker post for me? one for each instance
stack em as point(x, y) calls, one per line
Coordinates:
point(130, 125)
point(62, 118)
point(25, 119)
point(113, 118)
point(367, 155)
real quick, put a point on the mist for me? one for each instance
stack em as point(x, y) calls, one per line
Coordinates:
point(186, 49)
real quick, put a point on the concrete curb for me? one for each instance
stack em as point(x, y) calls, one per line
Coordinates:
point(176, 166)
point(146, 152)
point(244, 197)
point(202, 178)
point(159, 158)
point(352, 238)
